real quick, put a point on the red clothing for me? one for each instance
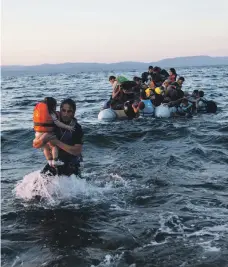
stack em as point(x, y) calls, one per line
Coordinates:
point(172, 77)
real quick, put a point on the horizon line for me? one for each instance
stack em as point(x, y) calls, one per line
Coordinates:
point(117, 62)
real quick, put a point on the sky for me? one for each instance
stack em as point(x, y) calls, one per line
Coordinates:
point(57, 31)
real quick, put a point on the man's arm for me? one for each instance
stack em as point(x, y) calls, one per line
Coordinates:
point(115, 92)
point(74, 150)
point(173, 103)
point(63, 125)
point(60, 124)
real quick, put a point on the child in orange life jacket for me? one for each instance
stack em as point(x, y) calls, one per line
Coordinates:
point(45, 118)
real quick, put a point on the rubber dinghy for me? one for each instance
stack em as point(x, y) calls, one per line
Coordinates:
point(162, 111)
point(111, 115)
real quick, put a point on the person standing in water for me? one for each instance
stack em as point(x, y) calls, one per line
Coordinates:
point(69, 143)
point(45, 119)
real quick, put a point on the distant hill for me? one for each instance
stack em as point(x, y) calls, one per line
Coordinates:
point(193, 61)
point(121, 66)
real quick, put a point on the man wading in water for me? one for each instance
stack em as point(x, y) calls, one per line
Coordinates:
point(69, 143)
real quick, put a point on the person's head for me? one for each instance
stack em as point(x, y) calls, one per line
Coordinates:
point(112, 79)
point(201, 93)
point(181, 80)
point(67, 109)
point(137, 80)
point(51, 104)
point(195, 93)
point(166, 83)
point(172, 71)
point(150, 69)
point(156, 69)
point(184, 101)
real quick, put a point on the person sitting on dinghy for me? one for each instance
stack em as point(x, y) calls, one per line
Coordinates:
point(144, 107)
point(156, 97)
point(185, 108)
point(172, 75)
point(117, 93)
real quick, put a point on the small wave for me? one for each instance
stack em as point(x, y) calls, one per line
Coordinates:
point(16, 139)
point(208, 247)
point(207, 237)
point(54, 189)
point(15, 132)
point(112, 261)
point(222, 228)
point(9, 88)
point(59, 188)
point(72, 76)
point(26, 103)
point(173, 161)
point(200, 151)
point(87, 101)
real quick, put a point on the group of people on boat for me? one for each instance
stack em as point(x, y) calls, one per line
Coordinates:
point(155, 87)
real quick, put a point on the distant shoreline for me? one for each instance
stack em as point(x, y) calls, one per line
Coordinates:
point(193, 61)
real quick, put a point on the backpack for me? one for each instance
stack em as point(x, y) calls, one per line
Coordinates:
point(121, 79)
point(128, 85)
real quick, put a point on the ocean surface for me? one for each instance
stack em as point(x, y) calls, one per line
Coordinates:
point(154, 191)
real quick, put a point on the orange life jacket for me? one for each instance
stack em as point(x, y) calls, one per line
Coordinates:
point(43, 121)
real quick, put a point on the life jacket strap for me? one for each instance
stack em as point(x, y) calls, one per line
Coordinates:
point(44, 124)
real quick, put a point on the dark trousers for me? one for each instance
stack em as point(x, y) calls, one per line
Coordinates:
point(66, 169)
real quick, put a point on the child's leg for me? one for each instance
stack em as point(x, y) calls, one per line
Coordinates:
point(41, 139)
point(47, 137)
point(48, 154)
point(55, 152)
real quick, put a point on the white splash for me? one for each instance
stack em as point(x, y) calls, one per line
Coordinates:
point(208, 247)
point(111, 261)
point(215, 231)
point(207, 237)
point(56, 188)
